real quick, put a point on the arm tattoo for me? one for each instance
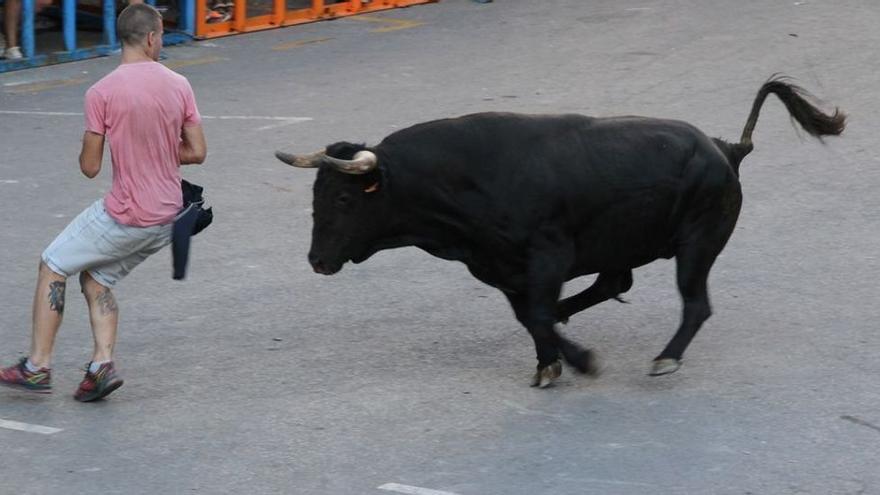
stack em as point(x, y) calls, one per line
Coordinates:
point(107, 302)
point(56, 296)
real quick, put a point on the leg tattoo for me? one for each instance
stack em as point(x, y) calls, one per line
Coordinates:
point(107, 302)
point(56, 296)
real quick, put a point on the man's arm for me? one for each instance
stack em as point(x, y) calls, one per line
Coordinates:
point(92, 154)
point(192, 145)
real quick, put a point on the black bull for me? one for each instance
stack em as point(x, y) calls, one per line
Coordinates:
point(528, 202)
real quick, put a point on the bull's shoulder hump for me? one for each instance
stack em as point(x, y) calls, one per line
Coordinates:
point(517, 117)
point(485, 121)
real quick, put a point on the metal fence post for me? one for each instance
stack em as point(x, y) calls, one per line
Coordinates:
point(28, 43)
point(68, 16)
point(110, 23)
point(186, 19)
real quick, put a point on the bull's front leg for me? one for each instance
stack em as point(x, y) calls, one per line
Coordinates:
point(544, 335)
point(540, 326)
point(551, 256)
point(548, 346)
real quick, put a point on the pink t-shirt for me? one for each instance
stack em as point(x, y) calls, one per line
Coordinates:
point(141, 109)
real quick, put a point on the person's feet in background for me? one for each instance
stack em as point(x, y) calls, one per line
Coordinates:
point(11, 21)
point(14, 51)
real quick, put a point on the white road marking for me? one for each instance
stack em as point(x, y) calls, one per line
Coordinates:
point(531, 412)
point(8, 181)
point(412, 490)
point(616, 482)
point(282, 124)
point(15, 425)
point(280, 121)
point(415, 490)
point(47, 114)
point(37, 86)
point(256, 117)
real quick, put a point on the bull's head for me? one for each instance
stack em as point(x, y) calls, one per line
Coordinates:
point(347, 207)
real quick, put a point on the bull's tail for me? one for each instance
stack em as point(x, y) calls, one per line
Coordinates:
point(799, 104)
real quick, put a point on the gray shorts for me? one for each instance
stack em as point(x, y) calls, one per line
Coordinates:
point(108, 250)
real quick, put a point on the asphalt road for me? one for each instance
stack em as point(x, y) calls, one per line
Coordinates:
point(257, 376)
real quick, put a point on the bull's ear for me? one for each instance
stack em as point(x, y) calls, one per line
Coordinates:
point(372, 188)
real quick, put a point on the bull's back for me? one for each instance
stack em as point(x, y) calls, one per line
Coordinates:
point(617, 186)
point(550, 148)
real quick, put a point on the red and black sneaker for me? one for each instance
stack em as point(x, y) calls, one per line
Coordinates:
point(18, 376)
point(99, 384)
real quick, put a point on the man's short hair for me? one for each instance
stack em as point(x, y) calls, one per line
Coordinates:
point(136, 21)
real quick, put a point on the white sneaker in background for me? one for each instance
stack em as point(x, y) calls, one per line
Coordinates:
point(13, 53)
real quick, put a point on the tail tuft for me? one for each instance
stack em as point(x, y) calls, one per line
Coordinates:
point(802, 107)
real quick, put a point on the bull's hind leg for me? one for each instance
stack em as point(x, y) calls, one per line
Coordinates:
point(608, 285)
point(694, 260)
point(692, 266)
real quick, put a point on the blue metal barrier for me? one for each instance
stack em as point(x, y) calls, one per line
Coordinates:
point(110, 24)
point(27, 27)
point(109, 44)
point(68, 17)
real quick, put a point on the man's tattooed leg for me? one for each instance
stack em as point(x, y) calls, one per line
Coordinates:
point(107, 302)
point(56, 296)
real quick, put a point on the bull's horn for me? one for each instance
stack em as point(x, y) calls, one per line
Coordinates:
point(363, 162)
point(312, 160)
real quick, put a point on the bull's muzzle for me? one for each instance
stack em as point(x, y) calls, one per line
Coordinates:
point(319, 266)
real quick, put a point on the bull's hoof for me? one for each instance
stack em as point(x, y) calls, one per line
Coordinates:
point(665, 366)
point(545, 376)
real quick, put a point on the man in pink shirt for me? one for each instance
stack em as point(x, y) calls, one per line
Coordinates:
point(148, 115)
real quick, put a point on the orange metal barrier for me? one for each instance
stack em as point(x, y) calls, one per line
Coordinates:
point(276, 13)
